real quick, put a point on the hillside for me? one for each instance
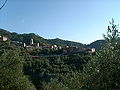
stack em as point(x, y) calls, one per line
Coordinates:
point(61, 42)
point(22, 37)
point(25, 38)
point(98, 44)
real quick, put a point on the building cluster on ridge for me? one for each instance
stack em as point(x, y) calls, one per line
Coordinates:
point(66, 49)
point(38, 46)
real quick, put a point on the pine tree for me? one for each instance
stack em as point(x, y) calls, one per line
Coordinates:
point(103, 71)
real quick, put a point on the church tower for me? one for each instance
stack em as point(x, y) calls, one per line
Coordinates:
point(31, 42)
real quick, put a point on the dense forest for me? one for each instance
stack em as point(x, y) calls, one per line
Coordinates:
point(98, 71)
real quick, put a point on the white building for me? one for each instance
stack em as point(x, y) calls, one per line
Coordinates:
point(3, 38)
point(24, 44)
point(92, 50)
point(31, 42)
point(38, 44)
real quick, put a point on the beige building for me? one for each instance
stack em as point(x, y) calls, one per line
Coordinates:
point(3, 38)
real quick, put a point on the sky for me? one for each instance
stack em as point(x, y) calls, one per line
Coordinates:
point(82, 21)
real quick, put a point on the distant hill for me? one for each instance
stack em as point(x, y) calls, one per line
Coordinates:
point(25, 38)
point(61, 42)
point(98, 44)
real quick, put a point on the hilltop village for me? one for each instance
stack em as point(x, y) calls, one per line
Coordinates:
point(37, 49)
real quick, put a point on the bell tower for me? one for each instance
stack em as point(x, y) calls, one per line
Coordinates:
point(31, 42)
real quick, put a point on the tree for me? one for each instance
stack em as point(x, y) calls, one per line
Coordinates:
point(103, 71)
point(55, 85)
point(11, 72)
point(112, 33)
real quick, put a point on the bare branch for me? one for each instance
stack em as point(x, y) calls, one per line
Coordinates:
point(3, 4)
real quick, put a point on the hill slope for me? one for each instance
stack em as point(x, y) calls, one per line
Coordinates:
point(61, 42)
point(25, 38)
point(98, 44)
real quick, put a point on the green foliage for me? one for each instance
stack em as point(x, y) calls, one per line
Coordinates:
point(44, 70)
point(111, 37)
point(103, 71)
point(98, 44)
point(55, 85)
point(11, 75)
point(64, 43)
point(56, 72)
point(76, 62)
point(112, 33)
point(73, 81)
point(25, 38)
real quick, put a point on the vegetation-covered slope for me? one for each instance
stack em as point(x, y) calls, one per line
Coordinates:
point(61, 42)
point(37, 39)
point(99, 71)
point(25, 38)
point(98, 44)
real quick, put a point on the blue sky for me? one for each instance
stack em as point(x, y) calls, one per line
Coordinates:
point(77, 20)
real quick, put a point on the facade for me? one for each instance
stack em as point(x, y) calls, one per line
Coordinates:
point(55, 47)
point(92, 50)
point(31, 42)
point(5, 38)
point(2, 38)
point(38, 44)
point(65, 49)
point(24, 44)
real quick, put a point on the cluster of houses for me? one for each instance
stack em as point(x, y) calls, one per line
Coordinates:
point(66, 49)
point(38, 46)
